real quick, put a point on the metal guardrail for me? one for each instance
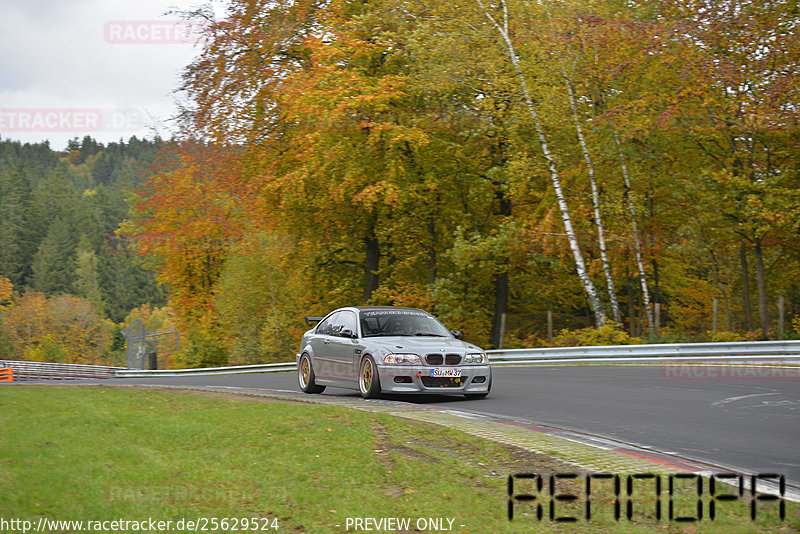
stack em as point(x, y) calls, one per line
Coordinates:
point(753, 351)
point(25, 371)
point(241, 369)
point(761, 351)
point(787, 352)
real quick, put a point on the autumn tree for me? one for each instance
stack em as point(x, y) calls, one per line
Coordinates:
point(6, 291)
point(63, 329)
point(186, 222)
point(737, 104)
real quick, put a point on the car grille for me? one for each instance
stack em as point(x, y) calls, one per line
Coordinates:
point(439, 359)
point(441, 382)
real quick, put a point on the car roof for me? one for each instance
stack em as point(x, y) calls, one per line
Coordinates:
point(375, 308)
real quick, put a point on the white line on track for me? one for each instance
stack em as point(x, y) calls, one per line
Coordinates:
point(734, 399)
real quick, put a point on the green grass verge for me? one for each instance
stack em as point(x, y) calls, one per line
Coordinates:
point(101, 454)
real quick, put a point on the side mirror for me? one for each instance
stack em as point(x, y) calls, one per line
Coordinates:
point(457, 334)
point(346, 332)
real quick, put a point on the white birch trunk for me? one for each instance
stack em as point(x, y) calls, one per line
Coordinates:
point(598, 218)
point(580, 266)
point(636, 243)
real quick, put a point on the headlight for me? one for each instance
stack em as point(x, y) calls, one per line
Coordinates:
point(402, 359)
point(475, 358)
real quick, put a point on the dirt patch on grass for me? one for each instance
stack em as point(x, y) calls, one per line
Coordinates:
point(433, 441)
point(385, 446)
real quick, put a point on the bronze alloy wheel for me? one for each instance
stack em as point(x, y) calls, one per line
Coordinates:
point(368, 382)
point(305, 376)
point(366, 376)
point(305, 372)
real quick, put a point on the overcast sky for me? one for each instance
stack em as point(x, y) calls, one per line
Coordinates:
point(105, 68)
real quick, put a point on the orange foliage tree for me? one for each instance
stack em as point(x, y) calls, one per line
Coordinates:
point(63, 329)
point(193, 208)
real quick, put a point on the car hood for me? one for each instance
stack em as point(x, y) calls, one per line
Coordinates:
point(419, 345)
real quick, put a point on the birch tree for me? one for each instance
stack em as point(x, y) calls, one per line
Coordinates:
point(603, 87)
point(568, 78)
point(637, 245)
point(501, 26)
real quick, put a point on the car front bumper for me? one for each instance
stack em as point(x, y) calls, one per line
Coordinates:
point(417, 379)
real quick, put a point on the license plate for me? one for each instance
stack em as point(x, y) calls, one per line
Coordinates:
point(446, 372)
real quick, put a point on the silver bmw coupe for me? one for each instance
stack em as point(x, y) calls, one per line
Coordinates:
point(386, 349)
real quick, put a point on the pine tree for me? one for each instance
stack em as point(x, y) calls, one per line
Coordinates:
point(54, 262)
point(86, 276)
point(13, 195)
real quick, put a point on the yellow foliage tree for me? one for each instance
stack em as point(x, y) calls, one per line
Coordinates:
point(63, 329)
point(6, 291)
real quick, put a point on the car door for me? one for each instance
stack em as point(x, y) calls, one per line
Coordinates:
point(321, 347)
point(342, 346)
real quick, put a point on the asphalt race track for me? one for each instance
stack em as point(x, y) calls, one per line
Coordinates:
point(747, 421)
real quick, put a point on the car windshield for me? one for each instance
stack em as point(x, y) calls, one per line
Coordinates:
point(400, 323)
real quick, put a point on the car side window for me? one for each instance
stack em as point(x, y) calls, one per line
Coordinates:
point(326, 327)
point(345, 320)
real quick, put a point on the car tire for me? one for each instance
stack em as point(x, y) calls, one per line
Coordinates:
point(369, 383)
point(305, 376)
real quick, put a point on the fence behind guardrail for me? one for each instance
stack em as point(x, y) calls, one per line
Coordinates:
point(143, 346)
